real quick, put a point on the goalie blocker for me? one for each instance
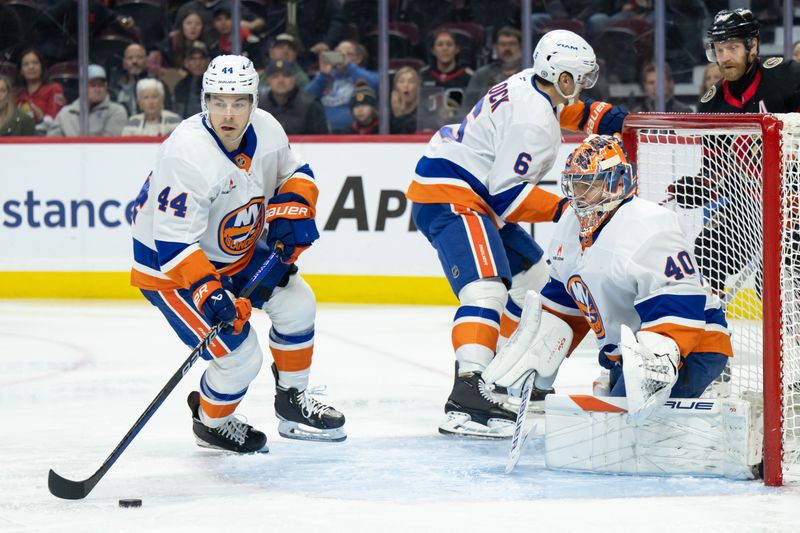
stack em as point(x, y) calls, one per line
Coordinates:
point(699, 437)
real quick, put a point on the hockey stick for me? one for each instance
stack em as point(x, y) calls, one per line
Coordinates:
point(518, 439)
point(77, 490)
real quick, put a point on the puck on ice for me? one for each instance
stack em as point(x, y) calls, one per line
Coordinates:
point(130, 503)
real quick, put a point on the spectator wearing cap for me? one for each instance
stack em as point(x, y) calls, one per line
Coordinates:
point(299, 113)
point(284, 47)
point(124, 82)
point(364, 108)
point(187, 91)
point(334, 85)
point(106, 118)
point(154, 120)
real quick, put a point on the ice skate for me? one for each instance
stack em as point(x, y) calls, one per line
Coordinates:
point(304, 418)
point(472, 410)
point(234, 435)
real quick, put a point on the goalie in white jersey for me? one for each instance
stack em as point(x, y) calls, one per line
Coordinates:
point(197, 239)
point(619, 264)
point(476, 181)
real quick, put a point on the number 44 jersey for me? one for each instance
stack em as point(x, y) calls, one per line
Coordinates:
point(201, 209)
point(636, 270)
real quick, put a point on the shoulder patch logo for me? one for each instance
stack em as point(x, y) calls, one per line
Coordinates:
point(773, 62)
point(709, 94)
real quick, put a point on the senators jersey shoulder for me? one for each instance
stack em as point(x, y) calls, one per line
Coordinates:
point(773, 86)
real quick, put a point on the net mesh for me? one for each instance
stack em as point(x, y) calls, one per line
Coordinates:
point(711, 177)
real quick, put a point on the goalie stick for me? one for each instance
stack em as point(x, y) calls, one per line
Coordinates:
point(77, 490)
point(518, 439)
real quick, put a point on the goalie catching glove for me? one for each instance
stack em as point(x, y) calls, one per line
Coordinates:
point(218, 305)
point(291, 223)
point(650, 367)
point(539, 344)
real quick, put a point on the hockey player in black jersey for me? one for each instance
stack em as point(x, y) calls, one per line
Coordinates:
point(748, 84)
point(729, 185)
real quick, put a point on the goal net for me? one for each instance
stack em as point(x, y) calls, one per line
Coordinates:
point(734, 182)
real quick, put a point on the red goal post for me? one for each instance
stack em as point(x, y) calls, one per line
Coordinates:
point(734, 181)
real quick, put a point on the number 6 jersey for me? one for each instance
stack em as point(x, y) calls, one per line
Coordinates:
point(638, 272)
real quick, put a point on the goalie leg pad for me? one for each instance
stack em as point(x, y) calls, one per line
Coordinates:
point(687, 436)
point(539, 344)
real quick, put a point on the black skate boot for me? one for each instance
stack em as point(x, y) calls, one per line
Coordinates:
point(304, 418)
point(472, 411)
point(234, 435)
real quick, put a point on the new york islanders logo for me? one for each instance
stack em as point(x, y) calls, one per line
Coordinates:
point(583, 298)
point(240, 228)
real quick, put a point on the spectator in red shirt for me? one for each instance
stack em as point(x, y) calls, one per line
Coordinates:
point(36, 96)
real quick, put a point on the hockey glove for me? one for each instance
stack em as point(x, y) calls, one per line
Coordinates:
point(219, 305)
point(691, 191)
point(602, 118)
point(291, 223)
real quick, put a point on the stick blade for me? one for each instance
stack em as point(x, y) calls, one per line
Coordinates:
point(67, 489)
point(518, 439)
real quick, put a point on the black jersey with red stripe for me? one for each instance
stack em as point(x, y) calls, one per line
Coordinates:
point(457, 78)
point(771, 86)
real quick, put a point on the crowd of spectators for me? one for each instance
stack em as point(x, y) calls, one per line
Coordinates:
point(318, 58)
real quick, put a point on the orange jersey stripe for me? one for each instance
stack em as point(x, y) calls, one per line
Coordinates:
point(688, 339)
point(152, 283)
point(508, 325)
point(578, 324)
point(715, 342)
point(447, 194)
point(292, 360)
point(302, 186)
point(195, 266)
point(592, 403)
point(538, 206)
point(475, 333)
point(183, 310)
point(217, 411)
point(480, 244)
point(571, 116)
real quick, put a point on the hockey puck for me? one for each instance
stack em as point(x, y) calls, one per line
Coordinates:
point(130, 503)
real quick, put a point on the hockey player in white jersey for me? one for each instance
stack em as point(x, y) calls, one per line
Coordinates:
point(475, 183)
point(197, 239)
point(619, 264)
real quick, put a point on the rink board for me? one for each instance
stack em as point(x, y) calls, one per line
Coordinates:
point(64, 228)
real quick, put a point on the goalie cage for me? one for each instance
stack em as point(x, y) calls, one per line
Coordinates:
point(734, 181)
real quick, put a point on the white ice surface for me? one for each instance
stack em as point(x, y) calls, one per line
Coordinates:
point(75, 376)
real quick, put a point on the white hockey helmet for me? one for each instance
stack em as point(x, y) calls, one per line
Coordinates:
point(564, 51)
point(230, 75)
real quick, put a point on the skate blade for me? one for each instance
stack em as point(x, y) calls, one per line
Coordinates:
point(203, 444)
point(462, 425)
point(293, 430)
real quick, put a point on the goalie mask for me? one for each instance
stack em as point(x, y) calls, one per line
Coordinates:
point(230, 75)
point(564, 51)
point(596, 180)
